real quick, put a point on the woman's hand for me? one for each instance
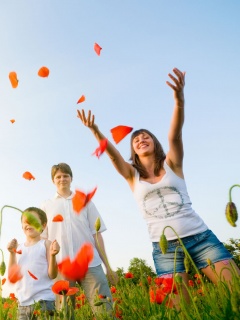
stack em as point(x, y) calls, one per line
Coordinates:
point(88, 120)
point(178, 85)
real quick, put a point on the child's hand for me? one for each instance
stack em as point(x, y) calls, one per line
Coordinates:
point(54, 248)
point(12, 245)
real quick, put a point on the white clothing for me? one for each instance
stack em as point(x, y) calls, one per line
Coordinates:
point(34, 259)
point(166, 203)
point(74, 230)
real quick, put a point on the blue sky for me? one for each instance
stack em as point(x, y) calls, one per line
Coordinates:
point(142, 41)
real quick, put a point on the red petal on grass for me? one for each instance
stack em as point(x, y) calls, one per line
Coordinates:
point(3, 281)
point(14, 273)
point(32, 275)
point(61, 287)
point(80, 199)
point(97, 49)
point(27, 175)
point(120, 132)
point(13, 79)
point(12, 120)
point(76, 270)
point(58, 218)
point(102, 147)
point(18, 251)
point(43, 72)
point(81, 99)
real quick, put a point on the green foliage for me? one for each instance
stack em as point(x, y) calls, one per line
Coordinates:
point(140, 270)
point(233, 246)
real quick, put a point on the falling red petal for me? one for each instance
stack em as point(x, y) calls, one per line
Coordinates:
point(27, 175)
point(58, 218)
point(120, 132)
point(43, 72)
point(12, 120)
point(18, 251)
point(102, 147)
point(97, 49)
point(14, 273)
point(32, 275)
point(80, 199)
point(13, 79)
point(3, 281)
point(82, 99)
point(76, 270)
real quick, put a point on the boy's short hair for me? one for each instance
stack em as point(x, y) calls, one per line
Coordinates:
point(65, 168)
point(41, 214)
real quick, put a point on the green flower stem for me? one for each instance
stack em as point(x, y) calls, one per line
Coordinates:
point(1, 212)
point(186, 252)
point(230, 191)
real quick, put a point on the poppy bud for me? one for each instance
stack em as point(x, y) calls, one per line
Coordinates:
point(163, 243)
point(97, 224)
point(231, 213)
point(2, 268)
point(187, 264)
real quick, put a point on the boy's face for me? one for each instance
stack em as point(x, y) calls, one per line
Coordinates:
point(28, 229)
point(62, 181)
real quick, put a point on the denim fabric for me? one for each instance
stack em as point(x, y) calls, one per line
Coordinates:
point(201, 247)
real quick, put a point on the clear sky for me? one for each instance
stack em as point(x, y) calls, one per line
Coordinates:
point(142, 41)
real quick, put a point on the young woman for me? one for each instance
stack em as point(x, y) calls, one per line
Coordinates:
point(158, 185)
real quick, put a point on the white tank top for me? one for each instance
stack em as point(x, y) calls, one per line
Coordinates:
point(34, 259)
point(166, 203)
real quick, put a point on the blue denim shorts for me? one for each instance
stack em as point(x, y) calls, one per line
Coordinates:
point(201, 247)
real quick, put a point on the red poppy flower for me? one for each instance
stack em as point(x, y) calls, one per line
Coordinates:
point(32, 275)
point(80, 199)
point(168, 285)
point(3, 281)
point(13, 79)
point(27, 175)
point(81, 99)
point(62, 287)
point(157, 295)
point(77, 269)
point(129, 275)
point(80, 300)
point(12, 296)
point(191, 283)
point(120, 132)
point(58, 218)
point(17, 251)
point(113, 289)
point(12, 120)
point(43, 72)
point(14, 273)
point(97, 49)
point(102, 147)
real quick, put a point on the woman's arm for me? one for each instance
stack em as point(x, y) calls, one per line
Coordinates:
point(175, 153)
point(123, 167)
point(52, 249)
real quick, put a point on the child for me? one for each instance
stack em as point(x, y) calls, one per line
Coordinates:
point(37, 259)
